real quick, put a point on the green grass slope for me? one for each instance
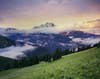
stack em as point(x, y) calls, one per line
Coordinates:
point(82, 65)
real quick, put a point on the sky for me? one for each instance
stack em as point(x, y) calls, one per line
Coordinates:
point(65, 14)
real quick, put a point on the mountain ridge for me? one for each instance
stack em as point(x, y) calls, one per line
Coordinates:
point(49, 42)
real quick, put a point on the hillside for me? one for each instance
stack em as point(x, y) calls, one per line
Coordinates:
point(6, 63)
point(5, 42)
point(82, 65)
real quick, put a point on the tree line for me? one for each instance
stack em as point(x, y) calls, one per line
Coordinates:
point(6, 63)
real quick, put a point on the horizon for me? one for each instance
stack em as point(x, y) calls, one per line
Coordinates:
point(54, 29)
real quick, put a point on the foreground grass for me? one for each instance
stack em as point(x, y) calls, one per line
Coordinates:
point(82, 65)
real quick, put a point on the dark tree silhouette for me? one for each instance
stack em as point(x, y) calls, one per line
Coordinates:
point(57, 54)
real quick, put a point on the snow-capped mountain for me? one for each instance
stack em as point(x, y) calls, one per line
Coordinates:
point(47, 42)
point(53, 41)
point(44, 28)
point(82, 37)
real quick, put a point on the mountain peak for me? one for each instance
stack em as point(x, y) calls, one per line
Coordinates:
point(11, 29)
point(46, 25)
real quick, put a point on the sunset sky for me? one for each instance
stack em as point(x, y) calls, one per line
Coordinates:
point(66, 14)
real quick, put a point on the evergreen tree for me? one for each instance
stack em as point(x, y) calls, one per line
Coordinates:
point(47, 58)
point(66, 52)
point(97, 45)
point(57, 54)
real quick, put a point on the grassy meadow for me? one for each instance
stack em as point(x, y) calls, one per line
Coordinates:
point(81, 65)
